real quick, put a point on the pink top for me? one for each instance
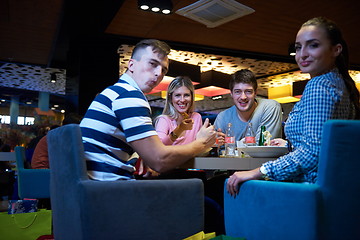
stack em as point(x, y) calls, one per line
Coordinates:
point(164, 126)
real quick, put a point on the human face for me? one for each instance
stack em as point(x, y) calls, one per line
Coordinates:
point(314, 53)
point(243, 95)
point(149, 71)
point(181, 99)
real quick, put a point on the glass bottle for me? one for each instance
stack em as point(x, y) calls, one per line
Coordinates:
point(262, 136)
point(249, 136)
point(229, 141)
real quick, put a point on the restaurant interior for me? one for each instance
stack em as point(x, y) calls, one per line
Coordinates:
point(56, 56)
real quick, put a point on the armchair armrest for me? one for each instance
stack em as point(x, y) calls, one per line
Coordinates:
point(273, 210)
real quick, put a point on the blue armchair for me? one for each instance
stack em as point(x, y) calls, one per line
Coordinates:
point(329, 209)
point(32, 183)
point(85, 209)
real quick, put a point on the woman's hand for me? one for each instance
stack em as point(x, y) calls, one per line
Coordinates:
point(186, 124)
point(237, 178)
point(279, 142)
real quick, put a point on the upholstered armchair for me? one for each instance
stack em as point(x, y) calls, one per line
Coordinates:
point(32, 183)
point(329, 209)
point(85, 209)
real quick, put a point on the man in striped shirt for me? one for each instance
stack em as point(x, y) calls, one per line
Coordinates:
point(118, 124)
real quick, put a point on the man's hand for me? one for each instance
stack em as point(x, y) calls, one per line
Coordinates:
point(278, 142)
point(207, 134)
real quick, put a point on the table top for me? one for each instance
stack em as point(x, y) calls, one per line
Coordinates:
point(224, 163)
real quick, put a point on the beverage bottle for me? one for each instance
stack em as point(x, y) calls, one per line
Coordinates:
point(262, 136)
point(250, 135)
point(229, 142)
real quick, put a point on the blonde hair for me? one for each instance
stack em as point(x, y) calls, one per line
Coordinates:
point(169, 109)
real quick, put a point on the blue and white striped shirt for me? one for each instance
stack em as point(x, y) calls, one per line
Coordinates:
point(325, 97)
point(118, 115)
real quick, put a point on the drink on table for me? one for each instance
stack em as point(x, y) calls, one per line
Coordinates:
point(229, 142)
point(249, 136)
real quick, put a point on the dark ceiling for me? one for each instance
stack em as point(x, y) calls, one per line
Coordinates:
point(40, 32)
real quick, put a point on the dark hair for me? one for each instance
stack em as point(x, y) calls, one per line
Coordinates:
point(342, 61)
point(243, 76)
point(158, 46)
point(71, 118)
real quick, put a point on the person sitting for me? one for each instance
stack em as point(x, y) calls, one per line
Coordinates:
point(331, 93)
point(248, 108)
point(118, 121)
point(178, 124)
point(40, 157)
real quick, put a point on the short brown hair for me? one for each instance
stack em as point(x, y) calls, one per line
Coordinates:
point(243, 76)
point(158, 46)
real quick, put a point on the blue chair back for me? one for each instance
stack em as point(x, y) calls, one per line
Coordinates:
point(338, 177)
point(32, 183)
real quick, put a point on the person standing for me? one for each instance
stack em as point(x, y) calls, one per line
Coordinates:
point(331, 93)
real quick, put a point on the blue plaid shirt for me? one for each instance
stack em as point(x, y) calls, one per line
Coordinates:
point(325, 97)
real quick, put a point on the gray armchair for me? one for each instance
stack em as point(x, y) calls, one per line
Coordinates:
point(143, 209)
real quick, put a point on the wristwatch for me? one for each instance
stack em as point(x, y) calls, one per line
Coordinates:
point(264, 172)
point(173, 135)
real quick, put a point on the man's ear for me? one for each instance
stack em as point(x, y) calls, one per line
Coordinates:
point(131, 66)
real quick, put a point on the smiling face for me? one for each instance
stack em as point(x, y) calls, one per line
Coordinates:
point(243, 95)
point(149, 70)
point(181, 99)
point(314, 52)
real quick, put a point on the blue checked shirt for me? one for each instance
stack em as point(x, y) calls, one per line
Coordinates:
point(325, 97)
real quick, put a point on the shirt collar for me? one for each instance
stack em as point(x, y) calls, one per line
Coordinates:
point(125, 77)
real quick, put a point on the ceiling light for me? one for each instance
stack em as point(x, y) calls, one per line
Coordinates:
point(155, 9)
point(291, 49)
point(144, 7)
point(157, 6)
point(53, 77)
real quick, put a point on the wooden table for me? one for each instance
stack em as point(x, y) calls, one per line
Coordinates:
point(223, 163)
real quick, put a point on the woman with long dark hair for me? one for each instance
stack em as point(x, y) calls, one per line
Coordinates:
point(330, 94)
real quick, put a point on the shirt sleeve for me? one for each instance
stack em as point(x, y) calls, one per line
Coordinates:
point(163, 129)
point(40, 158)
point(272, 119)
point(317, 106)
